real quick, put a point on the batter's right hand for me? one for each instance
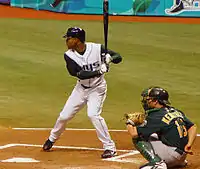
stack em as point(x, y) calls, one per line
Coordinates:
point(103, 69)
point(188, 149)
point(108, 58)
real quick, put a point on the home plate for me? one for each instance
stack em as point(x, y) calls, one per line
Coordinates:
point(20, 160)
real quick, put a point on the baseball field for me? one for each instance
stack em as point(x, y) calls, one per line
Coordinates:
point(35, 84)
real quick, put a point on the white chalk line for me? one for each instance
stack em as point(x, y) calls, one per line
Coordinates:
point(6, 146)
point(19, 160)
point(75, 129)
point(115, 159)
point(65, 129)
point(119, 158)
point(59, 147)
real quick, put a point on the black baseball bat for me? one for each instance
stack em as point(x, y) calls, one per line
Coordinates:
point(105, 22)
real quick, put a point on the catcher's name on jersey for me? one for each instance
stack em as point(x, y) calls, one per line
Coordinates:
point(172, 115)
point(91, 60)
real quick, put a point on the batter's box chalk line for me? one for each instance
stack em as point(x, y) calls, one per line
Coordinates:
point(115, 159)
point(122, 159)
point(60, 147)
point(19, 160)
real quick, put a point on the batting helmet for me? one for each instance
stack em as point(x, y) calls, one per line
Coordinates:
point(75, 32)
point(157, 93)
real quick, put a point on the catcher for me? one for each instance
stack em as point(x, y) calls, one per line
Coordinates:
point(163, 134)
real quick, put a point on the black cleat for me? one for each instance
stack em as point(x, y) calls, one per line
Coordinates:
point(48, 145)
point(108, 154)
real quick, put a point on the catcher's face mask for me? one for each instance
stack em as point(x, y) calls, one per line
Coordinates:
point(146, 103)
point(146, 100)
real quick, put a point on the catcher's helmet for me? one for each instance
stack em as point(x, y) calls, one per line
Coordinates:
point(75, 32)
point(156, 93)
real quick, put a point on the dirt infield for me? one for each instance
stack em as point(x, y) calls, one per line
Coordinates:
point(73, 156)
point(75, 149)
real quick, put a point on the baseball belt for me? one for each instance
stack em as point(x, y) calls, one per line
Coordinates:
point(181, 152)
point(85, 87)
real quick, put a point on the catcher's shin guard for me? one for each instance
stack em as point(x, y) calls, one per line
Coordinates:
point(146, 150)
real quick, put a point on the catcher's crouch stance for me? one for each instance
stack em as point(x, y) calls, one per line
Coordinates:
point(166, 135)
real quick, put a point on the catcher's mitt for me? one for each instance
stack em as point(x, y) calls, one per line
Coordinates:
point(135, 119)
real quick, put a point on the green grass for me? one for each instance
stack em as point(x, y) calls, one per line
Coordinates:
point(35, 84)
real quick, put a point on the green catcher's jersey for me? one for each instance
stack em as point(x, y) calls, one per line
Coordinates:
point(171, 126)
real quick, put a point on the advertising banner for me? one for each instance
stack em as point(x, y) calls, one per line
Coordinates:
point(187, 8)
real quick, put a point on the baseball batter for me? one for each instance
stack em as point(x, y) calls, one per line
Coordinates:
point(167, 136)
point(88, 62)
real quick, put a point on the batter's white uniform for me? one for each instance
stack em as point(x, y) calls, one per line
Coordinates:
point(90, 92)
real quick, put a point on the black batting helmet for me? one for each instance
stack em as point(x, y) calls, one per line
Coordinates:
point(75, 32)
point(157, 93)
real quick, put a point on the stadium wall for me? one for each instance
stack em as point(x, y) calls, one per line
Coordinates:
point(186, 8)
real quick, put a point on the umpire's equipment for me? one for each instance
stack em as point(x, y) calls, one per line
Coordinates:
point(75, 32)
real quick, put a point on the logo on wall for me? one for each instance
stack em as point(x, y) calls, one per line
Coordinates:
point(180, 6)
point(145, 6)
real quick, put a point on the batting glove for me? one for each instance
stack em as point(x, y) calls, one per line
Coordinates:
point(108, 58)
point(103, 68)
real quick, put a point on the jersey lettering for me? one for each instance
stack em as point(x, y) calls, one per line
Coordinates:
point(182, 131)
point(170, 116)
point(91, 67)
point(181, 128)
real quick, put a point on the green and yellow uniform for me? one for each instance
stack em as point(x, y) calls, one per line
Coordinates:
point(164, 135)
point(169, 124)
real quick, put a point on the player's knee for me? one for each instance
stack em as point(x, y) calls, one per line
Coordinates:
point(65, 117)
point(91, 116)
point(62, 118)
point(94, 117)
